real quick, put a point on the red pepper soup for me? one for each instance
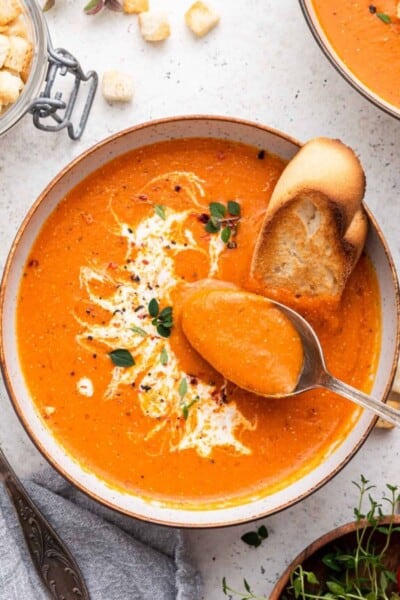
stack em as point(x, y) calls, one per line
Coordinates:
point(101, 341)
point(366, 37)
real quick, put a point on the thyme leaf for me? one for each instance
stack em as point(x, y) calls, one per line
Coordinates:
point(159, 209)
point(183, 388)
point(233, 208)
point(384, 18)
point(225, 235)
point(153, 308)
point(164, 357)
point(121, 357)
point(187, 407)
point(217, 209)
point(139, 331)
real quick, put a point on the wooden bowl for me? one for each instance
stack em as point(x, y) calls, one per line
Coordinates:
point(341, 537)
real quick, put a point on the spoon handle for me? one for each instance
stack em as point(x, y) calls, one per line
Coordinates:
point(54, 563)
point(347, 391)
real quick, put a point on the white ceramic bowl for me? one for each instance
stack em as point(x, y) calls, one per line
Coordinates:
point(326, 46)
point(196, 126)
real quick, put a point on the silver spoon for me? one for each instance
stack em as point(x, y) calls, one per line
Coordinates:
point(53, 561)
point(314, 373)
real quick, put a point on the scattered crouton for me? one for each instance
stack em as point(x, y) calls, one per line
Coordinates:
point(117, 86)
point(154, 26)
point(10, 87)
point(381, 423)
point(201, 18)
point(135, 6)
point(9, 10)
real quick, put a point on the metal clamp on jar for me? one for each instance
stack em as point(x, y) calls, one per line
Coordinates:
point(51, 108)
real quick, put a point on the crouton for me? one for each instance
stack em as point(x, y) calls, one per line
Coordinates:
point(154, 26)
point(19, 54)
point(135, 6)
point(10, 87)
point(9, 10)
point(201, 18)
point(117, 86)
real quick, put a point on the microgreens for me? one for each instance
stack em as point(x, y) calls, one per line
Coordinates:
point(358, 571)
point(162, 320)
point(224, 219)
point(121, 357)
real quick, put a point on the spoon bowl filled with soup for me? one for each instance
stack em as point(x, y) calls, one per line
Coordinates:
point(93, 345)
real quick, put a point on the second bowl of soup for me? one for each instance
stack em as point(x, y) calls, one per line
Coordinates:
point(361, 39)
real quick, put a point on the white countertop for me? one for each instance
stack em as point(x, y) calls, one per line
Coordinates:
point(261, 63)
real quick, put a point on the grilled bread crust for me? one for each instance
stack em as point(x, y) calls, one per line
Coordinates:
point(315, 226)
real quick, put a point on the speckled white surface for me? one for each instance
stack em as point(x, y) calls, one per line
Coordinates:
point(262, 64)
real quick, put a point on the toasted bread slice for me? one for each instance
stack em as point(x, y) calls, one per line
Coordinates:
point(315, 226)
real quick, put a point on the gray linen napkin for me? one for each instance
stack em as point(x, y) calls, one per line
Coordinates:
point(120, 557)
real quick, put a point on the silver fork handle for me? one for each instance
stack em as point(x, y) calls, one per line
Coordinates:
point(347, 391)
point(53, 561)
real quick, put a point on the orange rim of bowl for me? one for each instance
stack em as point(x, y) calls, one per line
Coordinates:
point(7, 380)
point(340, 66)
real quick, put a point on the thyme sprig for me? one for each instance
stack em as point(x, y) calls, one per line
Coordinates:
point(224, 220)
point(162, 320)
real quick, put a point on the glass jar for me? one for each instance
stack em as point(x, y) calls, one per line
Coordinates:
point(51, 112)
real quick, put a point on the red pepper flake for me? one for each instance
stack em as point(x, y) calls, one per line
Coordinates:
point(204, 218)
point(143, 197)
point(112, 265)
point(33, 263)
